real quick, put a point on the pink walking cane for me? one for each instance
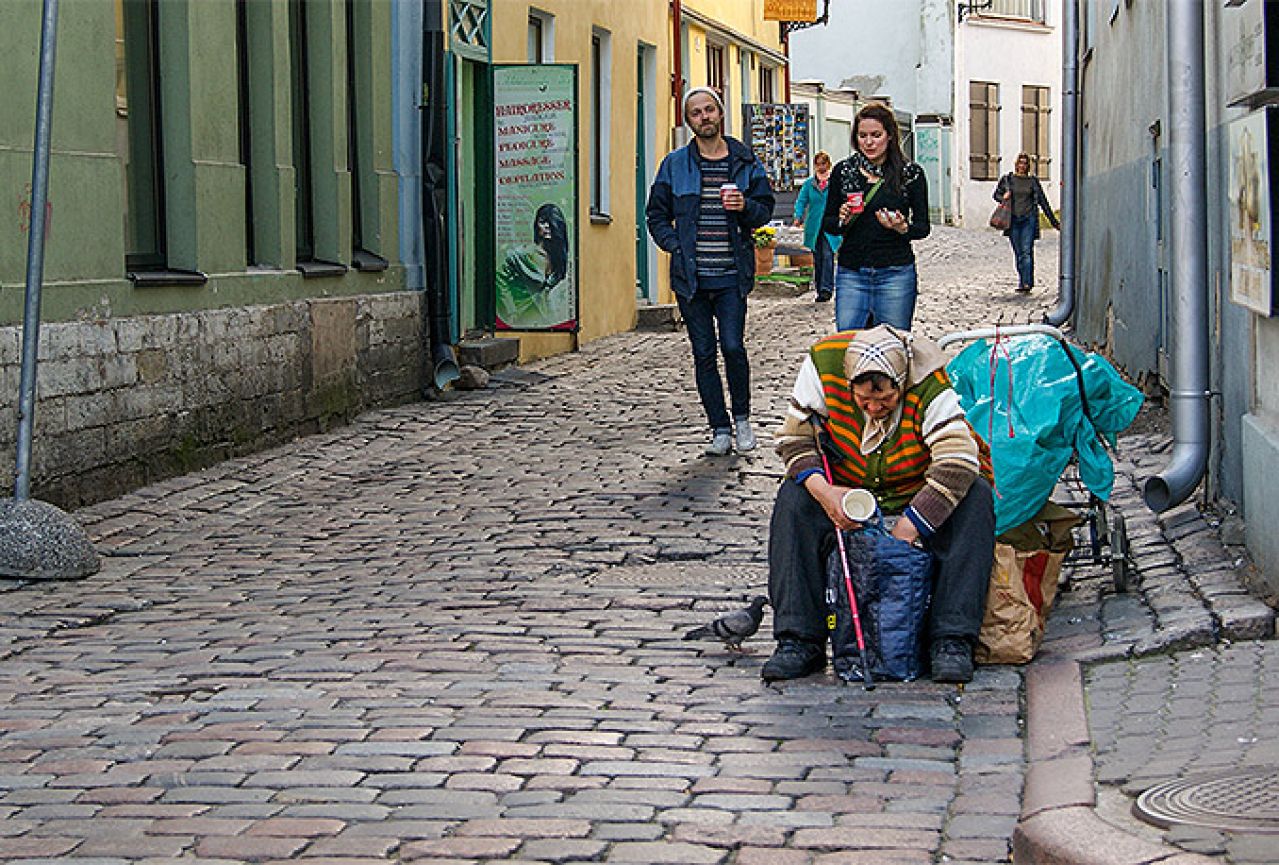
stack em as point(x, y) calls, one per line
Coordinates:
point(848, 580)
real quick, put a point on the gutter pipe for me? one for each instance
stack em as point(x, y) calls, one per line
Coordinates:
point(35, 251)
point(1069, 164)
point(677, 44)
point(1188, 211)
point(444, 369)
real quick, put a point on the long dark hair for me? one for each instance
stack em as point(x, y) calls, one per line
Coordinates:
point(895, 163)
point(555, 246)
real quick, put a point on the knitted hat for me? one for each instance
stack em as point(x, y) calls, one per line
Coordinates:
point(696, 90)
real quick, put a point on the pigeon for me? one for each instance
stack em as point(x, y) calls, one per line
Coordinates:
point(733, 627)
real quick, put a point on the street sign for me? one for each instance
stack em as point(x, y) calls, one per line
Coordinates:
point(790, 10)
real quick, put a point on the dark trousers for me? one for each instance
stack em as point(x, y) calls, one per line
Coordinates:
point(801, 536)
point(823, 267)
point(705, 313)
point(1022, 237)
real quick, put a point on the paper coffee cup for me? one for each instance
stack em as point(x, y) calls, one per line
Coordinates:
point(856, 202)
point(725, 189)
point(859, 505)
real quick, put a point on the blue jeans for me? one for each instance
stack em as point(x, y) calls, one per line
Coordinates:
point(1022, 236)
point(823, 267)
point(867, 296)
point(702, 312)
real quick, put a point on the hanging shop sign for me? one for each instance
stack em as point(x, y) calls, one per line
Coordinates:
point(779, 135)
point(790, 10)
point(535, 230)
point(1252, 210)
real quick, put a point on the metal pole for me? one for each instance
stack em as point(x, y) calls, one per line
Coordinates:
point(1069, 163)
point(35, 251)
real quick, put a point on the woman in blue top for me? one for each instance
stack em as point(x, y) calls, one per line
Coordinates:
point(809, 208)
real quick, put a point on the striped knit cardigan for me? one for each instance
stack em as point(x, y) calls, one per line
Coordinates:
point(922, 470)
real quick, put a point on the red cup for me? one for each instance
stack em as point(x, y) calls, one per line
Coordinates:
point(724, 191)
point(856, 202)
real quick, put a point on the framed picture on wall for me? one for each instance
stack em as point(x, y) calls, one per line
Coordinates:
point(1251, 209)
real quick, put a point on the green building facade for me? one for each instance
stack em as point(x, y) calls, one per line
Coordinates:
point(221, 266)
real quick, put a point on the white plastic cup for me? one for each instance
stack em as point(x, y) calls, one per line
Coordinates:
point(859, 505)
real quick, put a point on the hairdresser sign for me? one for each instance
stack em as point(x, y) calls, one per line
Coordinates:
point(535, 148)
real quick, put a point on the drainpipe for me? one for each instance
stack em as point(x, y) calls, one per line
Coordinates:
point(1069, 163)
point(677, 45)
point(1188, 219)
point(434, 194)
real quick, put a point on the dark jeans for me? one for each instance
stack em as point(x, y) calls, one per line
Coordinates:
point(823, 267)
point(801, 536)
point(704, 313)
point(1022, 237)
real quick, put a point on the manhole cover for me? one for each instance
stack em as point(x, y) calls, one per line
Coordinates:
point(1244, 800)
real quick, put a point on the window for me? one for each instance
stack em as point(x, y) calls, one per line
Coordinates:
point(767, 79)
point(983, 131)
point(138, 107)
point(1035, 113)
point(1029, 10)
point(301, 98)
point(535, 37)
point(359, 144)
point(715, 68)
point(541, 37)
point(601, 109)
point(246, 123)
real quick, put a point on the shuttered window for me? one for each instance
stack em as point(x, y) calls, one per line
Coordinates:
point(983, 130)
point(1035, 114)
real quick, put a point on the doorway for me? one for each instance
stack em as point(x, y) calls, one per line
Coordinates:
point(471, 197)
point(645, 157)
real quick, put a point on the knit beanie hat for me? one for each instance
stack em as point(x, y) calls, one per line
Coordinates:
point(696, 90)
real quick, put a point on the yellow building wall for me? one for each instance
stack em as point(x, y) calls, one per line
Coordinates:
point(606, 250)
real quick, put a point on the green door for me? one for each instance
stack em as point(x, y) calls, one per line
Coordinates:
point(641, 182)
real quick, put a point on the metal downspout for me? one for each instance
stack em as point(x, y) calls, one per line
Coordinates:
point(1069, 163)
point(432, 112)
point(1188, 217)
point(677, 50)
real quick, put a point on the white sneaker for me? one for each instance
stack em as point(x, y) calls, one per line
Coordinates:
point(721, 444)
point(745, 436)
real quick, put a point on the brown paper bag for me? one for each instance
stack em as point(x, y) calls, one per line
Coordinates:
point(1023, 586)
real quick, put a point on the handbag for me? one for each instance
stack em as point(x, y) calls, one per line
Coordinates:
point(1002, 217)
point(892, 581)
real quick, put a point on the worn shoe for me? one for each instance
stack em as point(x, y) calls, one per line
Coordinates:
point(952, 659)
point(745, 436)
point(793, 659)
point(721, 444)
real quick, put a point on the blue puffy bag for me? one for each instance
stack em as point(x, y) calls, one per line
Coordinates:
point(892, 581)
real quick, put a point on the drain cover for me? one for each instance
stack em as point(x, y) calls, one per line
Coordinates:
point(697, 576)
point(1244, 800)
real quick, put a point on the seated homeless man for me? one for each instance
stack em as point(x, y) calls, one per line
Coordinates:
point(894, 427)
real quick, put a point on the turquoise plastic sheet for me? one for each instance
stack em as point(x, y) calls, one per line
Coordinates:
point(1022, 395)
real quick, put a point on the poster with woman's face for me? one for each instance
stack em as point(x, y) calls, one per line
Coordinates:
point(1251, 276)
point(536, 232)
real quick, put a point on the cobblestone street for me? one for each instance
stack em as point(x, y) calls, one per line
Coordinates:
point(450, 632)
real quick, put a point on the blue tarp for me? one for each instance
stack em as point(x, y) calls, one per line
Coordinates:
point(1035, 420)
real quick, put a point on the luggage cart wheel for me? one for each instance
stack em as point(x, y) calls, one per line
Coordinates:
point(1120, 554)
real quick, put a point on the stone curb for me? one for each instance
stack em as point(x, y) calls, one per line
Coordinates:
point(1058, 825)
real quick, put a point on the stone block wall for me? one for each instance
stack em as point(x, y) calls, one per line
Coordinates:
point(124, 402)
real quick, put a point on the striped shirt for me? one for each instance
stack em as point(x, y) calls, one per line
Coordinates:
point(716, 266)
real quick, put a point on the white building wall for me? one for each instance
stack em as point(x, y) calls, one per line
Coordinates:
point(1011, 54)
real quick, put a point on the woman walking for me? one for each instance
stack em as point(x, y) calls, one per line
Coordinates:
point(1025, 195)
point(810, 207)
point(877, 202)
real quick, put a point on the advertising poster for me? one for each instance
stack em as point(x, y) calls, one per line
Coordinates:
point(779, 135)
point(1251, 219)
point(535, 149)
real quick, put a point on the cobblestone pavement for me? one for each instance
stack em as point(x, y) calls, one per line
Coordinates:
point(450, 633)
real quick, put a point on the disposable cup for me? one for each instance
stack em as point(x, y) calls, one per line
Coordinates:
point(859, 505)
point(725, 189)
point(856, 202)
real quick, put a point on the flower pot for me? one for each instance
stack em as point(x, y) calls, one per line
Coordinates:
point(763, 260)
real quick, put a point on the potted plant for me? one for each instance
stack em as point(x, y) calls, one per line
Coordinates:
point(765, 241)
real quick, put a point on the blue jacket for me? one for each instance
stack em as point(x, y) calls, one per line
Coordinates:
point(810, 206)
point(674, 203)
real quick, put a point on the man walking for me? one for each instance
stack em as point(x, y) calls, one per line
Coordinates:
point(706, 200)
